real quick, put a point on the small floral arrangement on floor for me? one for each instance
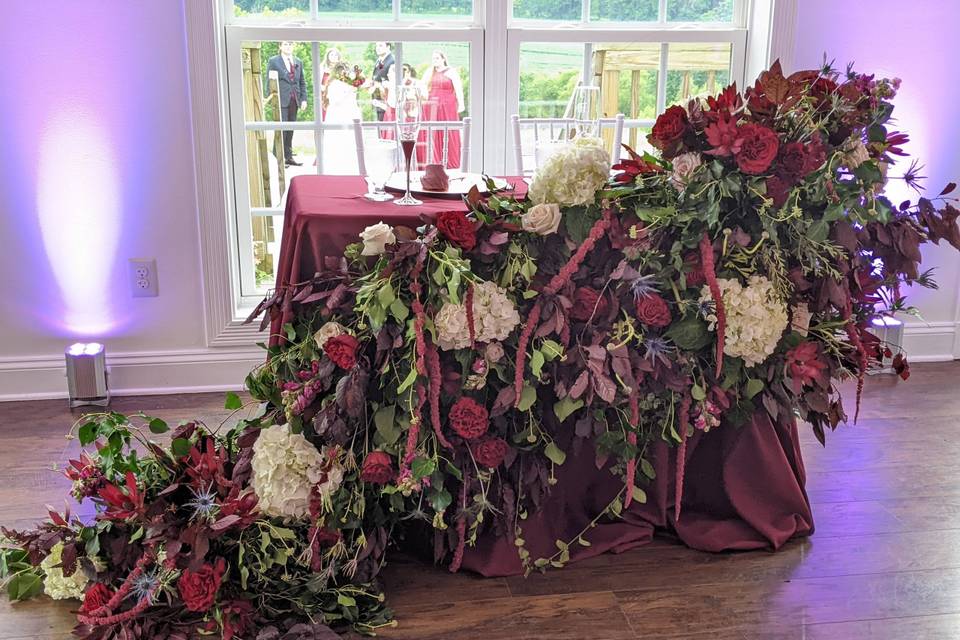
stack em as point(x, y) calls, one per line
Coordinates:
point(438, 377)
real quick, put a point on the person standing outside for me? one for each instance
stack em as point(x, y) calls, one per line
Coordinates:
point(380, 79)
point(293, 92)
point(444, 103)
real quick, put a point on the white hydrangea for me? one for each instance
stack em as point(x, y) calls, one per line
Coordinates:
point(55, 584)
point(573, 175)
point(756, 318)
point(285, 469)
point(494, 318)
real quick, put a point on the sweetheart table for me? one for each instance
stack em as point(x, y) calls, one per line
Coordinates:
point(743, 487)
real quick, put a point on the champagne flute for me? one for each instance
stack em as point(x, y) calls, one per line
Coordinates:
point(586, 111)
point(408, 126)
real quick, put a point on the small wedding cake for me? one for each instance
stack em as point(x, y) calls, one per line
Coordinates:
point(435, 178)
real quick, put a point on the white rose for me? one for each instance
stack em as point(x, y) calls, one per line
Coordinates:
point(327, 331)
point(494, 352)
point(375, 239)
point(683, 167)
point(541, 219)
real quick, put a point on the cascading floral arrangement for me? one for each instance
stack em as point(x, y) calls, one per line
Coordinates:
point(434, 381)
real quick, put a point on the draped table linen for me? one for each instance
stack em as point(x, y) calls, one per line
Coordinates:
point(743, 486)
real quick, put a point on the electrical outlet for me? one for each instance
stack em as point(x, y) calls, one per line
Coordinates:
point(143, 277)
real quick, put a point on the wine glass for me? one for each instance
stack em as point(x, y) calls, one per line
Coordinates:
point(586, 111)
point(380, 159)
point(409, 111)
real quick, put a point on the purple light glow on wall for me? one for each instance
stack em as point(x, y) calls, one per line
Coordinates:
point(78, 209)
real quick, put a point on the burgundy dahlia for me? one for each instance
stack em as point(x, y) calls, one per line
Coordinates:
point(468, 418)
point(490, 452)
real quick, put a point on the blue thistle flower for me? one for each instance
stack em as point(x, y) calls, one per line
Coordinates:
point(145, 585)
point(658, 348)
point(204, 503)
point(643, 286)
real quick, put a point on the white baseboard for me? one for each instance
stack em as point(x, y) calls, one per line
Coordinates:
point(133, 373)
point(930, 341)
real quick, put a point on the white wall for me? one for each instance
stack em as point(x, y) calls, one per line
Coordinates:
point(97, 158)
point(917, 42)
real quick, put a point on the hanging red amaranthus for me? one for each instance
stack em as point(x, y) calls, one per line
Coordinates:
point(471, 327)
point(709, 272)
point(597, 231)
point(461, 527)
point(684, 419)
point(104, 616)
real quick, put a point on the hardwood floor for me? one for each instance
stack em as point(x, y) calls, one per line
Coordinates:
point(883, 565)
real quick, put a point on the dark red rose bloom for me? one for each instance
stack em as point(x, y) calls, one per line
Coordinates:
point(377, 468)
point(96, 596)
point(342, 350)
point(237, 619)
point(652, 310)
point(198, 589)
point(792, 160)
point(490, 452)
point(695, 275)
point(468, 418)
point(777, 189)
point(758, 150)
point(455, 227)
point(669, 129)
point(588, 303)
point(805, 366)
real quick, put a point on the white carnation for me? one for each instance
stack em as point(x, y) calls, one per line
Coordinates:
point(55, 584)
point(755, 318)
point(494, 318)
point(286, 467)
point(573, 175)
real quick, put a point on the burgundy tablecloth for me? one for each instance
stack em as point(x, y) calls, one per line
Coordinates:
point(326, 213)
point(743, 487)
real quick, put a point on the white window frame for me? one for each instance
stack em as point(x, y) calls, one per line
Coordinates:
point(764, 32)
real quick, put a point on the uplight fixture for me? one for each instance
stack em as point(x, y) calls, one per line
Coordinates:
point(87, 374)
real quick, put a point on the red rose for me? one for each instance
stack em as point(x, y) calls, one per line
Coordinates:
point(652, 310)
point(342, 350)
point(669, 129)
point(490, 452)
point(455, 227)
point(468, 418)
point(792, 160)
point(96, 596)
point(377, 468)
point(198, 589)
point(758, 149)
point(588, 303)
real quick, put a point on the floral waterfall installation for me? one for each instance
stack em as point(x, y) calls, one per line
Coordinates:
point(423, 387)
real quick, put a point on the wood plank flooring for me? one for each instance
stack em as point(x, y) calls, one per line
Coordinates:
point(883, 565)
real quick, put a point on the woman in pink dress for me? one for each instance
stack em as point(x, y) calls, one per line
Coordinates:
point(444, 103)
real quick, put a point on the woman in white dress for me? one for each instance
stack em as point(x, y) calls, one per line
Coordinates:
point(339, 152)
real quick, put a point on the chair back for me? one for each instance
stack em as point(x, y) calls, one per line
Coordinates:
point(445, 142)
point(543, 132)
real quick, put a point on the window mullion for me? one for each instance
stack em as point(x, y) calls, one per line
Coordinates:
point(396, 10)
point(585, 12)
point(314, 10)
point(662, 12)
point(662, 77)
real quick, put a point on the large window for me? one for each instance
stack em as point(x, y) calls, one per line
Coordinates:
point(496, 57)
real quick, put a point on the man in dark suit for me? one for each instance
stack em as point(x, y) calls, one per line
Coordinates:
point(293, 92)
point(380, 76)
